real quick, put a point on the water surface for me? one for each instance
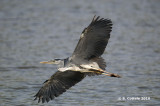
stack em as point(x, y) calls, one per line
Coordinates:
point(33, 31)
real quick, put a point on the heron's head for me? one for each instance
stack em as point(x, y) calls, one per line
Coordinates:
point(55, 61)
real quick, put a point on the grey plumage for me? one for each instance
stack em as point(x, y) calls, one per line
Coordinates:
point(93, 39)
point(57, 84)
point(86, 56)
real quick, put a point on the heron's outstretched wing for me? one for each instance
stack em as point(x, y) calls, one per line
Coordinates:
point(93, 39)
point(57, 84)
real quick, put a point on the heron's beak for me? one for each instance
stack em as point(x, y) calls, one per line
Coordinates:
point(47, 62)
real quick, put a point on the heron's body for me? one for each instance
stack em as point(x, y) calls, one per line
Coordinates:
point(85, 61)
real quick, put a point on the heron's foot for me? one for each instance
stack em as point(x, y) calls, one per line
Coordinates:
point(112, 75)
point(115, 75)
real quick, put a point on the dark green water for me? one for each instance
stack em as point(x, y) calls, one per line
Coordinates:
point(35, 30)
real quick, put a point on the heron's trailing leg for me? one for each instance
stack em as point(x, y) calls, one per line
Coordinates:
point(109, 74)
point(98, 70)
point(106, 73)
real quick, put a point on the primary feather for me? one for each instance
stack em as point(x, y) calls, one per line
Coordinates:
point(94, 39)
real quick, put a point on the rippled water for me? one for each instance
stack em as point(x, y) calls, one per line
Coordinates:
point(33, 31)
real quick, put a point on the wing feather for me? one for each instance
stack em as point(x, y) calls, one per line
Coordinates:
point(93, 39)
point(57, 84)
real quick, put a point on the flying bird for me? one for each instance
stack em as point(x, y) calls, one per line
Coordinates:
point(85, 61)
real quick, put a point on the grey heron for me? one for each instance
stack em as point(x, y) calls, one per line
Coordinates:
point(85, 61)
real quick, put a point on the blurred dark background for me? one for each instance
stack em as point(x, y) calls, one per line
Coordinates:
point(35, 30)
